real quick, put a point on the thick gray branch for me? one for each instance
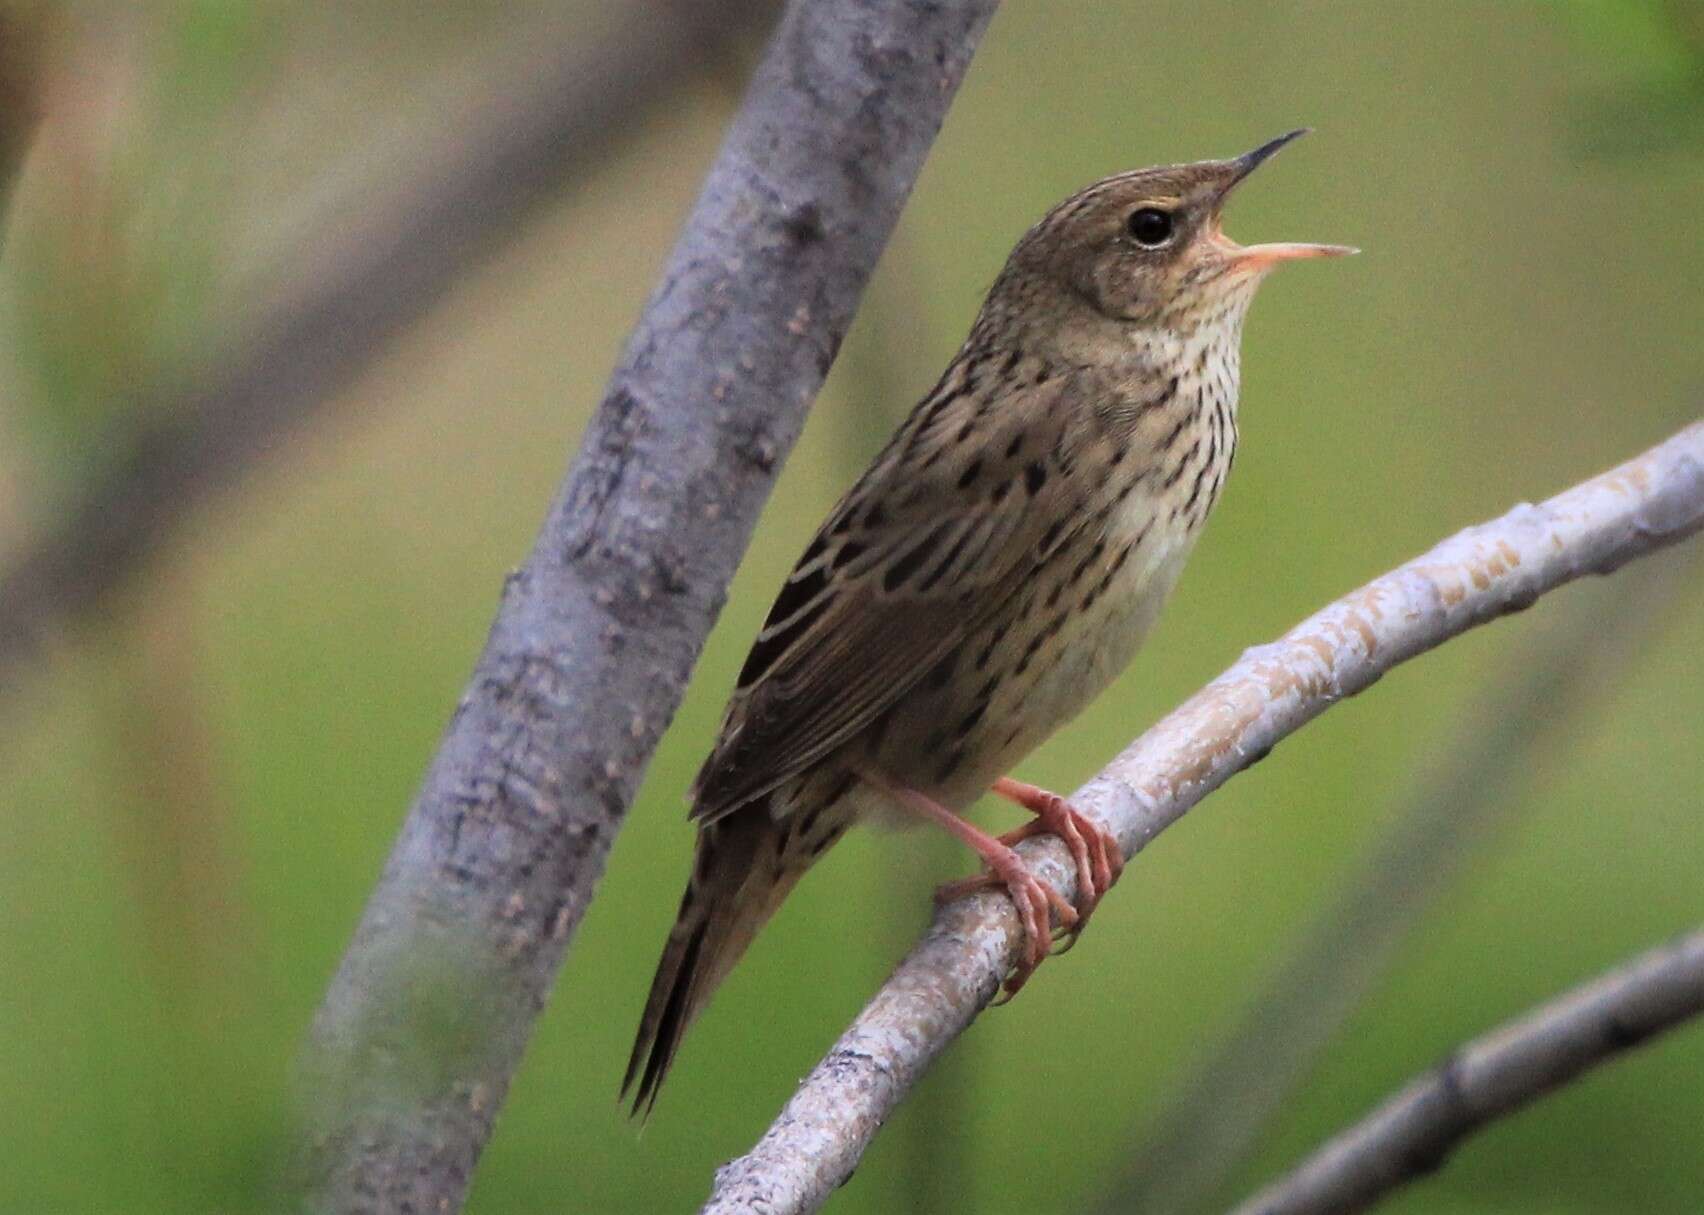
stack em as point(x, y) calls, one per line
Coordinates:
point(1476, 576)
point(413, 1050)
point(469, 197)
point(1414, 1132)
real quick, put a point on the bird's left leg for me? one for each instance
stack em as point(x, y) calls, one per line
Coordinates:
point(1034, 898)
point(1095, 850)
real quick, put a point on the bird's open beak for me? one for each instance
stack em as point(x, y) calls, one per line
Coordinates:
point(1264, 257)
point(1260, 258)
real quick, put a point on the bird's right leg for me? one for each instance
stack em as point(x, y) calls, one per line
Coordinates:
point(1099, 859)
point(1032, 896)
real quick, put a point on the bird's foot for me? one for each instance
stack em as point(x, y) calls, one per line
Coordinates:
point(1033, 898)
point(1099, 859)
point(1036, 901)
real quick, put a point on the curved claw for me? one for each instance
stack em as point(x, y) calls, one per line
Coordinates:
point(1037, 903)
point(1065, 941)
point(1094, 849)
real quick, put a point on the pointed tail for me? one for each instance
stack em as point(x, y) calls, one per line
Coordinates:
point(740, 875)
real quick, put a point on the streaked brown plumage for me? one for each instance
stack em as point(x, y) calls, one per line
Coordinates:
point(997, 565)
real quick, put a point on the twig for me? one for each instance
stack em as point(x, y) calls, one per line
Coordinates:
point(1209, 1129)
point(413, 1050)
point(1476, 576)
point(467, 201)
point(1414, 1132)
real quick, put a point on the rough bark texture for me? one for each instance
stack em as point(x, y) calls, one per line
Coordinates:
point(470, 196)
point(412, 1052)
point(1414, 1133)
point(1481, 574)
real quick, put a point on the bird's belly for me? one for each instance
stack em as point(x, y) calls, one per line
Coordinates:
point(1044, 664)
point(1098, 650)
point(1095, 649)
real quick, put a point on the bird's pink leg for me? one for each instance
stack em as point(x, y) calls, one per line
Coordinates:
point(1099, 859)
point(1095, 850)
point(1032, 896)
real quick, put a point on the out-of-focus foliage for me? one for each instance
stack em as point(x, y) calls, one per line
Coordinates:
point(1660, 40)
point(113, 271)
point(1655, 104)
point(200, 801)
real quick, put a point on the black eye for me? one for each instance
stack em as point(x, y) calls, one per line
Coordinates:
point(1150, 226)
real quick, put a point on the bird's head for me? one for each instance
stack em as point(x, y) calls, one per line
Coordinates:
point(1145, 248)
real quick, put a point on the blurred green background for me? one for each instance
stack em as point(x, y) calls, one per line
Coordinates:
point(202, 784)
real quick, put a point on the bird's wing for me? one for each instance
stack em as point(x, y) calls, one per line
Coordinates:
point(950, 520)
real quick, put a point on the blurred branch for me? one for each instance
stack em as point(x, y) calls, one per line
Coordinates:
point(412, 1052)
point(466, 202)
point(22, 44)
point(1474, 577)
point(171, 829)
point(1414, 1132)
point(1202, 1136)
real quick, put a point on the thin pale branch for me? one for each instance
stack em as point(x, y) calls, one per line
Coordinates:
point(1414, 1132)
point(412, 1052)
point(1482, 573)
point(1215, 1121)
point(468, 197)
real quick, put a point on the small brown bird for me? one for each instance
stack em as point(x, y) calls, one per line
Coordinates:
point(987, 577)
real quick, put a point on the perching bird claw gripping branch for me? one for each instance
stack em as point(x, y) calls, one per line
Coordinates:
point(1475, 576)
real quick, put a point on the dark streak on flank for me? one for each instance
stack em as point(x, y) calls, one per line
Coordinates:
point(1200, 479)
point(1166, 443)
point(1176, 474)
point(970, 720)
